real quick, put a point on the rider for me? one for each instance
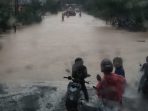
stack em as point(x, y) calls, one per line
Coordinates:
point(111, 87)
point(79, 72)
point(144, 68)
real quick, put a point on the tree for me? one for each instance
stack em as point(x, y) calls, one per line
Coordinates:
point(4, 14)
point(51, 6)
point(124, 13)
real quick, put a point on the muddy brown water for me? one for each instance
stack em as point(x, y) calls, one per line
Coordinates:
point(43, 51)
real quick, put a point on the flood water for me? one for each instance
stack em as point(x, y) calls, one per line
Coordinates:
point(40, 53)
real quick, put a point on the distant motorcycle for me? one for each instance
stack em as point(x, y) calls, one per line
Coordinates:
point(70, 13)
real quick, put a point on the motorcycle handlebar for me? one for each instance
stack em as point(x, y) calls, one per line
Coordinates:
point(95, 87)
point(87, 82)
point(70, 78)
point(65, 77)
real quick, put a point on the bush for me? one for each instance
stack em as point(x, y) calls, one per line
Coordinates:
point(129, 14)
point(51, 6)
point(30, 12)
point(4, 15)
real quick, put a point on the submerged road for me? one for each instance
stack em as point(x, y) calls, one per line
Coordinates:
point(42, 52)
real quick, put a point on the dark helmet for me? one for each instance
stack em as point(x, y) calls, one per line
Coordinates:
point(78, 60)
point(106, 66)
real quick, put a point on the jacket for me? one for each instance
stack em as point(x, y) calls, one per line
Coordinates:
point(79, 72)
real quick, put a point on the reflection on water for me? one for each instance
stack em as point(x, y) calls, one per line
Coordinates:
point(42, 52)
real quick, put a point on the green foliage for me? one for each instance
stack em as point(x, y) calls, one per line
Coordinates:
point(128, 13)
point(30, 13)
point(33, 12)
point(4, 15)
point(51, 6)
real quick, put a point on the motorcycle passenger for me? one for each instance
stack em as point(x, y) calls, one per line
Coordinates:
point(111, 87)
point(144, 68)
point(79, 73)
point(118, 64)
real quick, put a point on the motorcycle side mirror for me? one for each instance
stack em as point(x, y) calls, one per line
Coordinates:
point(67, 70)
point(98, 77)
point(69, 78)
point(88, 75)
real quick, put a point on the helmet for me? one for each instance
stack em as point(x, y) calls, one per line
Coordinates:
point(106, 66)
point(78, 59)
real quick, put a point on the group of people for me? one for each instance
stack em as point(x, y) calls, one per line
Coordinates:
point(112, 85)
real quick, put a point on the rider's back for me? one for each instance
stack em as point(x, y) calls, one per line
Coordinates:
point(79, 72)
point(111, 87)
point(145, 68)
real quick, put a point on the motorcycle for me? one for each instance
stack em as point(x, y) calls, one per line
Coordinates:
point(75, 102)
point(143, 84)
point(73, 94)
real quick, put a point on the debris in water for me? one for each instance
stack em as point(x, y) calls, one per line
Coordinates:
point(141, 40)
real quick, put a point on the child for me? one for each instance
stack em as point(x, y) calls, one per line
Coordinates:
point(118, 64)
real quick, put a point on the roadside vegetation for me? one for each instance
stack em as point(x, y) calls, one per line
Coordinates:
point(4, 15)
point(25, 12)
point(127, 14)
